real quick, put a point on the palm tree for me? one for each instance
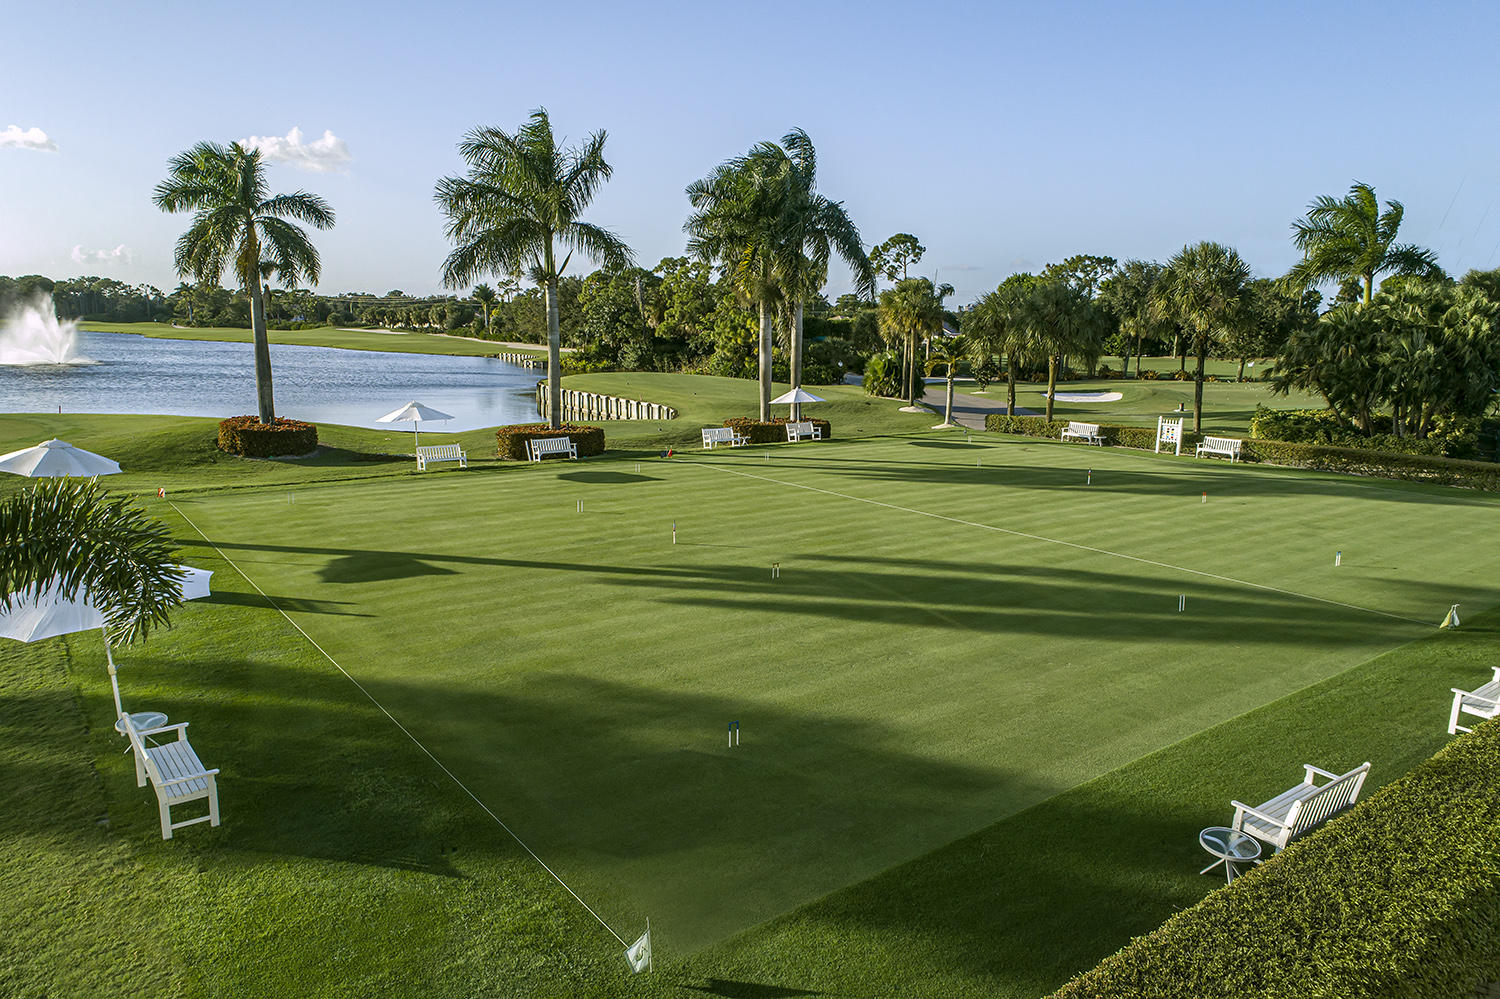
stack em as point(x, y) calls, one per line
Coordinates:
point(518, 209)
point(486, 297)
point(739, 223)
point(1061, 319)
point(236, 221)
point(1351, 238)
point(68, 531)
point(1205, 288)
point(1126, 294)
point(814, 228)
point(998, 324)
point(908, 312)
point(948, 352)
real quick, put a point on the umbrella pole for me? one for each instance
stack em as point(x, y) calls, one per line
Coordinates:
point(414, 442)
point(114, 683)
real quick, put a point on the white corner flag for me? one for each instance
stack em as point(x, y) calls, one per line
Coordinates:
point(1451, 621)
point(638, 954)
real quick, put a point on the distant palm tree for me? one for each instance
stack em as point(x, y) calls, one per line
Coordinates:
point(1205, 288)
point(1126, 294)
point(486, 297)
point(999, 324)
point(69, 534)
point(237, 222)
point(739, 223)
point(1061, 319)
point(1351, 238)
point(519, 209)
point(908, 313)
point(948, 352)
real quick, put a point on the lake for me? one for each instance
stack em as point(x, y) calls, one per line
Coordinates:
point(136, 374)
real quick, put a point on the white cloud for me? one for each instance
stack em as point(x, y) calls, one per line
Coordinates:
point(330, 154)
point(119, 255)
point(15, 137)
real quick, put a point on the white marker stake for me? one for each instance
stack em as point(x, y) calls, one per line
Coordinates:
point(1205, 495)
point(1181, 603)
point(1338, 559)
point(580, 506)
point(1090, 480)
point(674, 532)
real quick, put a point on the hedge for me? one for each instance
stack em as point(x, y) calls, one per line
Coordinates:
point(511, 440)
point(247, 437)
point(1483, 475)
point(774, 431)
point(1399, 897)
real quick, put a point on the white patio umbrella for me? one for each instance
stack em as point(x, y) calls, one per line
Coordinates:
point(49, 615)
point(795, 398)
point(414, 413)
point(55, 457)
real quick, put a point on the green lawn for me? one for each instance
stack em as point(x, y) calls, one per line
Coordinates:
point(324, 336)
point(978, 737)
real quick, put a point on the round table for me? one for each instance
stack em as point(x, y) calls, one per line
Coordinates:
point(1231, 847)
point(141, 721)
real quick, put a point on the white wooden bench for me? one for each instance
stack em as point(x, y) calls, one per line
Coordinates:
point(1301, 809)
point(440, 452)
point(723, 435)
point(542, 446)
point(1481, 703)
point(805, 430)
point(1229, 447)
point(175, 772)
point(1086, 432)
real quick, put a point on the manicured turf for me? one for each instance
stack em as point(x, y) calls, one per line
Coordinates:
point(945, 703)
point(324, 336)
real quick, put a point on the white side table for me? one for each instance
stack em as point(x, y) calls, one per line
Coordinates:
point(1231, 847)
point(142, 720)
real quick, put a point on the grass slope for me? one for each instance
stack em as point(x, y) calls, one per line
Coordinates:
point(910, 681)
point(323, 336)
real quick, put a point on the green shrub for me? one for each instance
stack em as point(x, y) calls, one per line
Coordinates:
point(1450, 436)
point(511, 440)
point(773, 432)
point(247, 437)
point(1399, 897)
point(883, 375)
point(1036, 426)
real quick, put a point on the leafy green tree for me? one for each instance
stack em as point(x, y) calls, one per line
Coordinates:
point(1205, 289)
point(1000, 324)
point(238, 222)
point(1350, 238)
point(883, 375)
point(1084, 272)
point(910, 311)
point(1126, 294)
point(70, 531)
point(896, 256)
point(486, 297)
point(518, 212)
point(1276, 310)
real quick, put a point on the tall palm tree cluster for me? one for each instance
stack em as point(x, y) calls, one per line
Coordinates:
point(761, 220)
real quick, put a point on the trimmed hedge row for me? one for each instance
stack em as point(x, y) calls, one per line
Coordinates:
point(511, 440)
point(774, 431)
point(1400, 897)
point(247, 437)
point(1483, 475)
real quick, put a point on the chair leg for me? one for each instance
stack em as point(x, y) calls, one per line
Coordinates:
point(213, 803)
point(166, 820)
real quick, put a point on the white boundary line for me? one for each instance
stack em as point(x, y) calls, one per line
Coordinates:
point(404, 730)
point(1055, 541)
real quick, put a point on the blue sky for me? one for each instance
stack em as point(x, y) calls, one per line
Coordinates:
point(1003, 137)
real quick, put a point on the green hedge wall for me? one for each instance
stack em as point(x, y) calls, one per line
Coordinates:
point(511, 440)
point(1355, 461)
point(247, 437)
point(1398, 897)
point(773, 432)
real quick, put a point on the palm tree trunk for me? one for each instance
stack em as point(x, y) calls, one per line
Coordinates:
point(765, 361)
point(911, 385)
point(1198, 391)
point(1051, 383)
point(796, 361)
point(948, 407)
point(1010, 385)
point(264, 400)
point(554, 357)
point(1242, 370)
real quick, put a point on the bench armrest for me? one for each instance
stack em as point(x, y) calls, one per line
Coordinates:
point(1319, 771)
point(1477, 697)
point(179, 728)
point(1242, 807)
point(189, 777)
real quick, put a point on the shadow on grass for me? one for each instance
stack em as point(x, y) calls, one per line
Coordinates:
point(748, 990)
point(607, 477)
point(302, 605)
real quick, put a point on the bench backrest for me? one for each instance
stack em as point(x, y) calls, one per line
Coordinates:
point(717, 434)
point(545, 445)
point(1091, 429)
point(804, 427)
point(1222, 443)
point(1329, 800)
point(138, 746)
point(439, 450)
